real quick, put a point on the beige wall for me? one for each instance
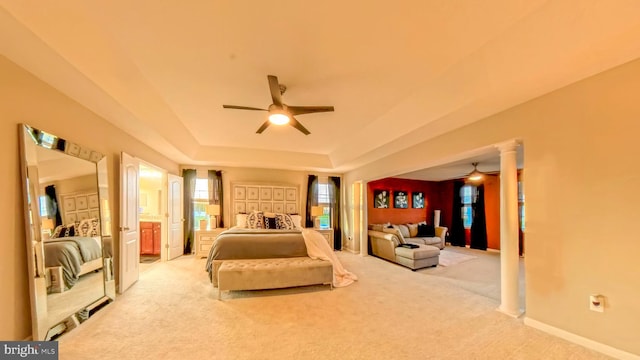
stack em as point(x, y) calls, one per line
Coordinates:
point(25, 99)
point(582, 174)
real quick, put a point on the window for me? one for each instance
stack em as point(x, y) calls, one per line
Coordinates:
point(44, 200)
point(324, 200)
point(468, 195)
point(200, 202)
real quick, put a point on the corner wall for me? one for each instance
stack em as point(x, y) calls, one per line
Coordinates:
point(581, 177)
point(26, 99)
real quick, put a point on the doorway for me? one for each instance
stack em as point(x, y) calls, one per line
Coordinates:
point(150, 218)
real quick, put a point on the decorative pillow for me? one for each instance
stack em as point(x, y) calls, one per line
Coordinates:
point(87, 227)
point(255, 220)
point(284, 221)
point(270, 222)
point(64, 231)
point(426, 230)
point(241, 220)
point(413, 230)
point(297, 220)
point(395, 232)
point(376, 227)
point(403, 229)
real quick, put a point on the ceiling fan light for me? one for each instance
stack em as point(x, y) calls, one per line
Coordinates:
point(279, 119)
point(475, 176)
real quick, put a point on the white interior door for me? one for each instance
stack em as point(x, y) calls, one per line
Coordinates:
point(176, 216)
point(129, 221)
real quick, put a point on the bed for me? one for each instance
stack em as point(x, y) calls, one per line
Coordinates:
point(246, 243)
point(76, 249)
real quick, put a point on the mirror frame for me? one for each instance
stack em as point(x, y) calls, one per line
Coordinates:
point(41, 330)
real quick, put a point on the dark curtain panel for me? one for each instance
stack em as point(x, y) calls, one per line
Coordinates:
point(457, 225)
point(334, 193)
point(189, 176)
point(312, 199)
point(52, 204)
point(215, 193)
point(479, 224)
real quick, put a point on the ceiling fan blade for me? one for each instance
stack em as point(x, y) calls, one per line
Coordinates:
point(242, 107)
point(299, 110)
point(274, 88)
point(263, 127)
point(298, 126)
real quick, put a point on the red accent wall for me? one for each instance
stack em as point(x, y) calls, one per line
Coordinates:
point(492, 210)
point(432, 201)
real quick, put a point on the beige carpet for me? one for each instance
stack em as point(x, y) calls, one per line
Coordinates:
point(390, 313)
point(449, 258)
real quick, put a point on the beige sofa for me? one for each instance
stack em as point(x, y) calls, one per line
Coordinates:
point(385, 243)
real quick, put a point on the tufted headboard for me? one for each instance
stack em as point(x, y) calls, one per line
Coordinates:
point(278, 198)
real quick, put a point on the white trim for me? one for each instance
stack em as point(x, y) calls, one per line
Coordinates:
point(577, 339)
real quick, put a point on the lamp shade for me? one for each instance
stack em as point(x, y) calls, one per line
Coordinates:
point(47, 224)
point(317, 211)
point(213, 210)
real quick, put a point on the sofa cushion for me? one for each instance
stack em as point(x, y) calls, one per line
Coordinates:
point(423, 252)
point(403, 229)
point(397, 233)
point(413, 230)
point(376, 227)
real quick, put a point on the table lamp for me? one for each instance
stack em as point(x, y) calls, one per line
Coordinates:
point(317, 211)
point(47, 226)
point(213, 211)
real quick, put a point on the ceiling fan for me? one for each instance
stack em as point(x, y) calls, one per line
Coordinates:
point(279, 112)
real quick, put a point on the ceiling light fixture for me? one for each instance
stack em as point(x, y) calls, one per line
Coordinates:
point(475, 175)
point(279, 117)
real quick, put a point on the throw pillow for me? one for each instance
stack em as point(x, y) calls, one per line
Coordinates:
point(64, 231)
point(297, 220)
point(270, 222)
point(413, 230)
point(284, 221)
point(87, 227)
point(430, 230)
point(422, 230)
point(255, 220)
point(241, 220)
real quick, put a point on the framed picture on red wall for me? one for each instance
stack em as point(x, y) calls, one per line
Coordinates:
point(381, 199)
point(400, 199)
point(417, 200)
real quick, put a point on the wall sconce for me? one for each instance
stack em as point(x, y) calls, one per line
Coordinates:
point(317, 211)
point(213, 211)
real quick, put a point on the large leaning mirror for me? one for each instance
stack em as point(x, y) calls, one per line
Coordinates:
point(68, 228)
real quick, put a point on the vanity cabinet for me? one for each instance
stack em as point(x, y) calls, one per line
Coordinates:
point(150, 238)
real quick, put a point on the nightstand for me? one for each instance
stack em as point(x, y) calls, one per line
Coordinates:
point(204, 241)
point(328, 234)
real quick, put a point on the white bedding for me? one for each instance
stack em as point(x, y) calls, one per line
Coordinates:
point(318, 248)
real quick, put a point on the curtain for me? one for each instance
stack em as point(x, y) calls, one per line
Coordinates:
point(215, 194)
point(52, 205)
point(479, 224)
point(312, 199)
point(189, 176)
point(457, 225)
point(334, 194)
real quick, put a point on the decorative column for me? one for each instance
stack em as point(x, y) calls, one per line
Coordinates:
point(509, 255)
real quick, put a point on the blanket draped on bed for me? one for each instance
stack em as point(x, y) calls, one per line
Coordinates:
point(318, 248)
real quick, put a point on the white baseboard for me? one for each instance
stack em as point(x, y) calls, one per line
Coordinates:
point(577, 339)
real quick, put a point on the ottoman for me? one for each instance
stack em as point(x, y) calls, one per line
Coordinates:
point(418, 258)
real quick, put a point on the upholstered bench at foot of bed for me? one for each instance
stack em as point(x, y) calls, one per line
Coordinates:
point(256, 274)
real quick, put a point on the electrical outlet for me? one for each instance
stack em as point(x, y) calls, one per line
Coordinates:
point(596, 303)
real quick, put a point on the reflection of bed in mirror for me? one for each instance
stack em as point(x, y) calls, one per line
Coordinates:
point(68, 232)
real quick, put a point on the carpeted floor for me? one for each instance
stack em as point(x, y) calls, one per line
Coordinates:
point(390, 313)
